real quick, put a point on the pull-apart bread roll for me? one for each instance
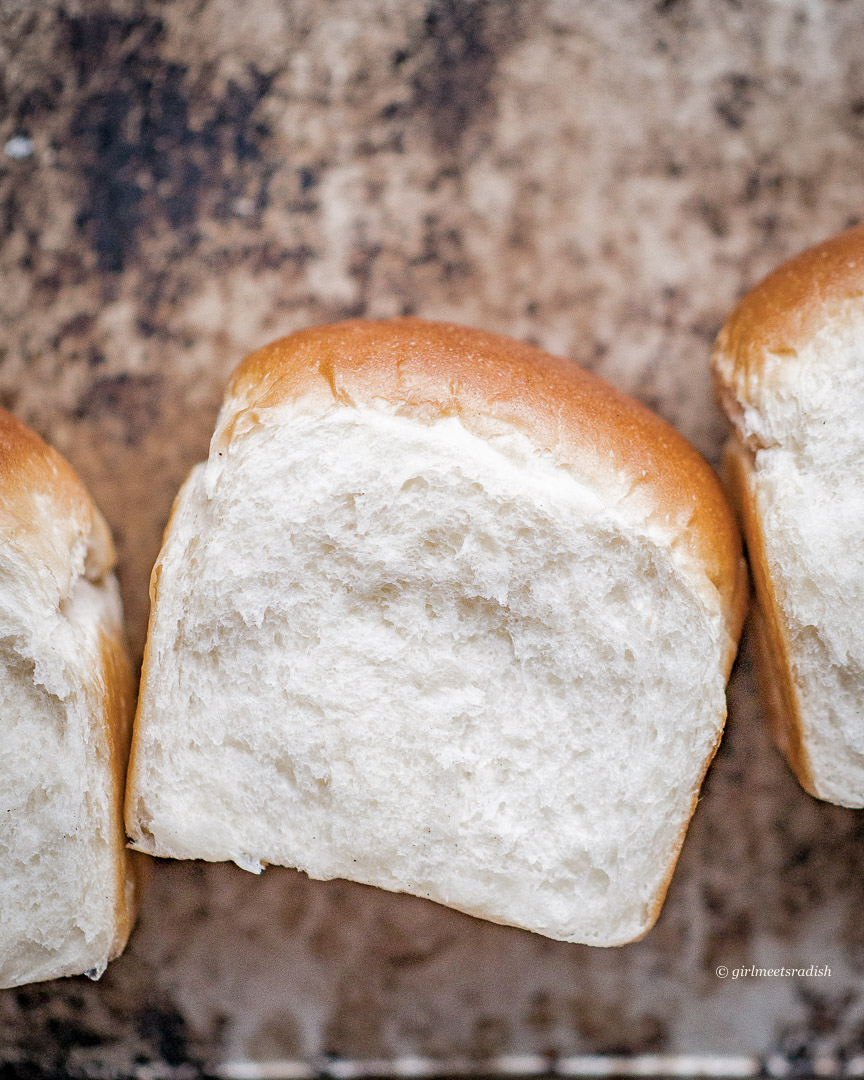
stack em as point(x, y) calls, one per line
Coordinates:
point(66, 885)
point(789, 369)
point(444, 615)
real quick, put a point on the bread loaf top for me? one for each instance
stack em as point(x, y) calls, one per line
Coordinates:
point(819, 290)
point(494, 384)
point(45, 506)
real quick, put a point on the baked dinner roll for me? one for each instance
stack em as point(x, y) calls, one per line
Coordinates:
point(789, 369)
point(67, 887)
point(445, 615)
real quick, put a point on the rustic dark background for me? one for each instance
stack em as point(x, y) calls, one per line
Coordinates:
point(181, 181)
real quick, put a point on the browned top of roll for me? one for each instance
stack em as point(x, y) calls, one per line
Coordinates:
point(435, 370)
point(784, 311)
point(42, 499)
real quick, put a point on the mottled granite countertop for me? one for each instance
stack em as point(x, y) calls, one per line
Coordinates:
point(183, 180)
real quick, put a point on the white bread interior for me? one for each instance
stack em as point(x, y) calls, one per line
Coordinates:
point(67, 890)
point(801, 442)
point(395, 651)
point(790, 373)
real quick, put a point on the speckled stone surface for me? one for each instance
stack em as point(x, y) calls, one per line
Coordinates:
point(190, 178)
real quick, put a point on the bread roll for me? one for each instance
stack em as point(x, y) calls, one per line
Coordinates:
point(444, 615)
point(67, 887)
point(789, 372)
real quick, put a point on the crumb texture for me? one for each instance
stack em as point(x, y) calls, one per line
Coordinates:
point(802, 422)
point(409, 657)
point(61, 861)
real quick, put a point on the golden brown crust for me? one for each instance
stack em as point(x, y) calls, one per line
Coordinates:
point(43, 500)
point(790, 306)
point(45, 508)
point(773, 667)
point(660, 898)
point(117, 719)
point(432, 370)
